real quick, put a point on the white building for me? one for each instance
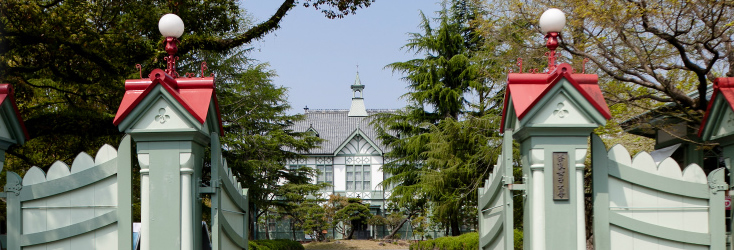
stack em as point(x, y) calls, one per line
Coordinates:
point(350, 158)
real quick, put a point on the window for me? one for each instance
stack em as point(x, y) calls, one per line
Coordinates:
point(326, 174)
point(358, 177)
point(326, 171)
point(295, 167)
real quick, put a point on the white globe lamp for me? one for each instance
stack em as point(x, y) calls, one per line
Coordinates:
point(551, 24)
point(171, 25)
point(552, 20)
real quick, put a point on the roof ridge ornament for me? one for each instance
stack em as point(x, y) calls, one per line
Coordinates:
point(172, 27)
point(551, 23)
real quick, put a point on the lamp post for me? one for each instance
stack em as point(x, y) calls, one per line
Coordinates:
point(171, 120)
point(172, 27)
point(551, 24)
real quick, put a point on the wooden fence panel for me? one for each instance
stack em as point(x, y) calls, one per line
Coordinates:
point(82, 207)
point(229, 205)
point(639, 204)
point(495, 203)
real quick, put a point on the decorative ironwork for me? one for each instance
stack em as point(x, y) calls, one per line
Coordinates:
point(140, 70)
point(171, 49)
point(14, 188)
point(519, 64)
point(560, 176)
point(714, 185)
point(204, 68)
point(552, 44)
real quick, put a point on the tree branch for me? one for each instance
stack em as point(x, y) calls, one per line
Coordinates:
point(256, 32)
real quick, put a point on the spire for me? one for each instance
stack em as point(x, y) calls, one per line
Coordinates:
point(358, 108)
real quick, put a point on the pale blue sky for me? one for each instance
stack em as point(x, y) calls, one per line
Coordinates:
point(316, 58)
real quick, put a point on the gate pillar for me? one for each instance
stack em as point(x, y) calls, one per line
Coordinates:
point(170, 118)
point(12, 129)
point(552, 116)
point(718, 123)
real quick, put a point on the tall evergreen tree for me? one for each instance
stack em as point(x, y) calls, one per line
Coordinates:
point(440, 149)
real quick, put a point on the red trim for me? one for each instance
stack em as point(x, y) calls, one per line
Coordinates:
point(194, 94)
point(526, 90)
point(725, 87)
point(6, 90)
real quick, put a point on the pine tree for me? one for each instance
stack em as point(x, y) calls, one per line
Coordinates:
point(442, 143)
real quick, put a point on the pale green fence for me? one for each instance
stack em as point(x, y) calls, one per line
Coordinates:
point(85, 207)
point(639, 204)
point(229, 204)
point(495, 203)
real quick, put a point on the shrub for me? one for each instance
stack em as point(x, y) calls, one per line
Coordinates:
point(279, 244)
point(518, 239)
point(464, 241)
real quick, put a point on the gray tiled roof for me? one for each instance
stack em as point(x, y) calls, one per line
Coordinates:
point(335, 126)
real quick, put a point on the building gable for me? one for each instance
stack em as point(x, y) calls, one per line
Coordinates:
point(358, 144)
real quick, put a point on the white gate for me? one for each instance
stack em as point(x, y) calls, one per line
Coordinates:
point(639, 204)
point(85, 207)
point(495, 203)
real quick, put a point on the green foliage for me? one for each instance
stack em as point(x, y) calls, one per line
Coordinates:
point(461, 242)
point(68, 59)
point(348, 216)
point(313, 220)
point(279, 244)
point(377, 220)
point(517, 239)
point(429, 166)
point(443, 145)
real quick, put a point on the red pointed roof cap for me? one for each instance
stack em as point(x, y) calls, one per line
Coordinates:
point(722, 86)
point(527, 89)
point(8, 94)
point(193, 93)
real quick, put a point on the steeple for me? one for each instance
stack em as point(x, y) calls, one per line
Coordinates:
point(358, 108)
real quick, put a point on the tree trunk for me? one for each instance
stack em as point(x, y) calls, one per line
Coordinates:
point(455, 230)
point(267, 227)
point(396, 229)
point(293, 230)
point(351, 233)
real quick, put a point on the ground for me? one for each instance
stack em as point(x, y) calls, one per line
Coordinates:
point(357, 244)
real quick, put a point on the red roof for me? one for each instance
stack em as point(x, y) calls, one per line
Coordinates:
point(527, 89)
point(7, 93)
point(194, 94)
point(725, 87)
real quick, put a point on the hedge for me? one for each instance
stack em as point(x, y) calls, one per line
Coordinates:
point(279, 244)
point(464, 241)
point(461, 242)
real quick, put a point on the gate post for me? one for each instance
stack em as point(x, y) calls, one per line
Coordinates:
point(718, 124)
point(552, 115)
point(12, 129)
point(170, 119)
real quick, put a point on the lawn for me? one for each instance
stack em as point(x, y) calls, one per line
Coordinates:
point(356, 244)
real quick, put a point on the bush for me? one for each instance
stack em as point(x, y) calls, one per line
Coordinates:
point(279, 244)
point(518, 239)
point(464, 241)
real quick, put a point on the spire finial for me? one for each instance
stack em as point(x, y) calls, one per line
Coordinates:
point(551, 23)
point(172, 27)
